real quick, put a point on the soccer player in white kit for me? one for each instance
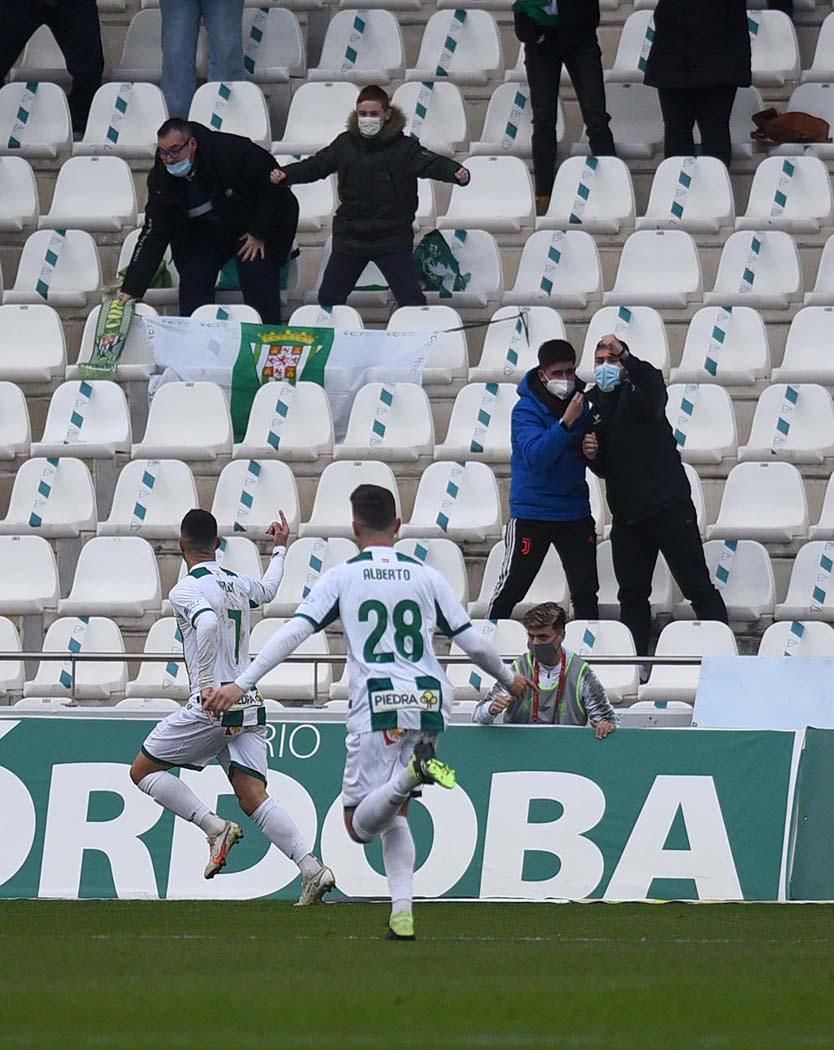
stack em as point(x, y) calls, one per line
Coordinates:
point(212, 606)
point(400, 698)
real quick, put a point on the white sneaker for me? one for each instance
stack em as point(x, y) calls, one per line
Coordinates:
point(314, 887)
point(220, 846)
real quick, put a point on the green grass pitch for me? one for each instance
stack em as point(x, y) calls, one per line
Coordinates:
point(99, 975)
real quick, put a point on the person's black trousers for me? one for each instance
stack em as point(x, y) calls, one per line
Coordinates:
point(343, 271)
point(710, 107)
point(544, 68)
point(75, 26)
point(528, 542)
point(673, 532)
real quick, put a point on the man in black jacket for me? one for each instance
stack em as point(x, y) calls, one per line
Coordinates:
point(633, 448)
point(210, 198)
point(377, 168)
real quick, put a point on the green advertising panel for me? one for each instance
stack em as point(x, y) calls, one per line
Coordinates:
point(812, 874)
point(540, 813)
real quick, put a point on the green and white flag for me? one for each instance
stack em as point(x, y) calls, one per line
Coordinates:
point(240, 358)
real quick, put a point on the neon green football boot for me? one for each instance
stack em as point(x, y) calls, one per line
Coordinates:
point(430, 770)
point(401, 926)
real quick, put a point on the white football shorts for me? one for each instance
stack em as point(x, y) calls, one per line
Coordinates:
point(373, 758)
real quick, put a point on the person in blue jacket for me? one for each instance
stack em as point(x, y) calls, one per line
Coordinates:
point(549, 501)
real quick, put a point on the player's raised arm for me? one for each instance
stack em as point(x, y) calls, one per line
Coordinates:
point(264, 590)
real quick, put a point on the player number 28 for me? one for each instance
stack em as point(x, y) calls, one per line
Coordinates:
point(408, 626)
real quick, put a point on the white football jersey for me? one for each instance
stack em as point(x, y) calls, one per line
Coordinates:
point(390, 606)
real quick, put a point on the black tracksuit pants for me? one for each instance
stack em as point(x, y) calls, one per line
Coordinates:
point(398, 268)
point(710, 108)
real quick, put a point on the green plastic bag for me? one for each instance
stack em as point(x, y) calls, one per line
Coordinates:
point(437, 268)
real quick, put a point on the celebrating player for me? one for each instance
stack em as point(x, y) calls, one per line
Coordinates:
point(212, 607)
point(400, 699)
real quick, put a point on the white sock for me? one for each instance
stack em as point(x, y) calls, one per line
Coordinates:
point(280, 829)
point(376, 811)
point(170, 792)
point(398, 856)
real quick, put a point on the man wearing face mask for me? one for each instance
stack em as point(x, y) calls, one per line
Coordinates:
point(209, 197)
point(549, 502)
point(648, 493)
point(566, 691)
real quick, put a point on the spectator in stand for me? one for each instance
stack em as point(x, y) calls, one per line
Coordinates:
point(566, 691)
point(549, 501)
point(75, 26)
point(180, 29)
point(648, 493)
point(377, 167)
point(210, 198)
point(699, 58)
point(555, 35)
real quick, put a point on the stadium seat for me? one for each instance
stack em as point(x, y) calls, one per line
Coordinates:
point(794, 423)
point(775, 51)
point(458, 500)
point(821, 69)
point(390, 422)
point(331, 515)
point(87, 419)
point(817, 99)
point(15, 430)
point(633, 48)
point(479, 260)
point(114, 576)
point(290, 421)
point(94, 680)
point(742, 572)
point(186, 421)
point(136, 361)
point(32, 348)
point(123, 121)
point(157, 679)
point(318, 113)
point(306, 560)
point(237, 107)
point(822, 293)
point(46, 130)
point(810, 595)
point(11, 671)
point(30, 576)
point(659, 268)
point(558, 269)
point(508, 124)
point(762, 501)
point(789, 193)
point(449, 355)
point(598, 504)
point(468, 681)
point(685, 638)
point(636, 122)
point(589, 638)
point(361, 47)
point(148, 707)
point(689, 193)
point(594, 193)
point(315, 316)
point(443, 129)
point(640, 326)
point(758, 269)
point(249, 495)
point(808, 356)
point(151, 499)
point(479, 427)
point(425, 218)
point(550, 584)
point(476, 56)
point(294, 681)
point(702, 419)
point(42, 60)
point(227, 312)
point(153, 296)
point(317, 201)
point(512, 340)
point(59, 267)
point(19, 206)
point(696, 491)
point(498, 199)
point(53, 498)
point(444, 556)
point(660, 599)
point(800, 638)
point(92, 193)
point(748, 101)
point(724, 346)
point(273, 46)
point(141, 58)
point(48, 705)
point(824, 528)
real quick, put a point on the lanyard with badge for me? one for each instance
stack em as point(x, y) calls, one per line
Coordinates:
point(559, 689)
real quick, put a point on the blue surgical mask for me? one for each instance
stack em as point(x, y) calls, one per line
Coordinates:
point(607, 377)
point(180, 169)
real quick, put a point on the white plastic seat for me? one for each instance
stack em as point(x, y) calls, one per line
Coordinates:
point(48, 705)
point(444, 127)
point(810, 595)
point(458, 500)
point(817, 99)
point(598, 504)
point(327, 317)
point(478, 256)
point(136, 361)
point(114, 576)
point(822, 293)
point(87, 419)
point(278, 52)
point(157, 679)
point(742, 573)
point(30, 576)
point(703, 422)
point(47, 130)
point(227, 312)
point(76, 276)
point(558, 269)
point(288, 421)
point(658, 268)
point(362, 47)
point(762, 501)
point(42, 60)
point(824, 528)
point(732, 350)
point(635, 37)
point(52, 498)
point(237, 107)
point(425, 218)
point(685, 638)
point(317, 114)
point(696, 491)
point(390, 422)
point(549, 585)
point(660, 600)
point(477, 57)
point(18, 195)
point(449, 355)
point(591, 193)
point(689, 193)
point(808, 356)
point(789, 193)
point(444, 556)
point(499, 197)
point(774, 48)
point(821, 69)
point(92, 193)
point(794, 423)
point(151, 499)
point(186, 421)
point(479, 427)
point(748, 101)
point(123, 121)
point(776, 271)
point(141, 58)
point(249, 495)
point(803, 638)
point(32, 348)
point(317, 201)
point(508, 125)
point(468, 681)
point(371, 288)
point(636, 122)
point(639, 326)
point(152, 296)
point(11, 671)
point(94, 680)
point(306, 560)
point(512, 340)
point(15, 430)
point(331, 514)
point(147, 706)
point(589, 638)
point(293, 681)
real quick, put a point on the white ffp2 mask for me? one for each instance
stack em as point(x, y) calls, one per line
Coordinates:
point(369, 126)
